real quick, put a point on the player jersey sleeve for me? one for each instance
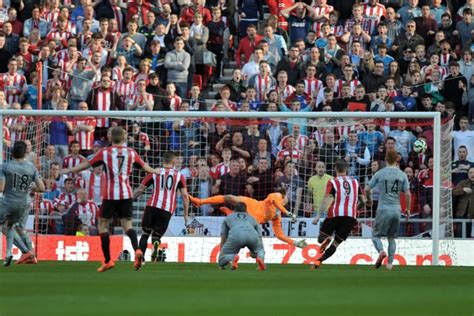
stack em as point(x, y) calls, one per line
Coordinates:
point(405, 184)
point(182, 182)
point(224, 229)
point(98, 159)
point(148, 180)
point(278, 203)
point(278, 231)
point(330, 188)
point(373, 182)
point(138, 160)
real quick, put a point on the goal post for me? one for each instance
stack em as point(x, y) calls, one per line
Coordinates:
point(177, 115)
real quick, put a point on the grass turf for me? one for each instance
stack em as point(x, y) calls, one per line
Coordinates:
point(67, 288)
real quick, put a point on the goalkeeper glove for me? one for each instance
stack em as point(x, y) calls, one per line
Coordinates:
point(301, 243)
point(292, 216)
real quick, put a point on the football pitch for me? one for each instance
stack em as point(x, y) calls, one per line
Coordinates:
point(67, 288)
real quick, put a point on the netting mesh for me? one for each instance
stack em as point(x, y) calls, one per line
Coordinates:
point(247, 157)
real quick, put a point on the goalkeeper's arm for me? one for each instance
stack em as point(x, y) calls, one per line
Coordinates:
point(278, 231)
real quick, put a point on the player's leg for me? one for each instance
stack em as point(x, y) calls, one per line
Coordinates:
point(125, 213)
point(229, 251)
point(104, 225)
point(257, 251)
point(325, 234)
point(147, 224)
point(343, 227)
point(160, 224)
point(27, 255)
point(392, 233)
point(10, 233)
point(382, 222)
point(217, 199)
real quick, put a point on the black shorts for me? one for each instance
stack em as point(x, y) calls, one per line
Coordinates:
point(341, 225)
point(121, 208)
point(156, 219)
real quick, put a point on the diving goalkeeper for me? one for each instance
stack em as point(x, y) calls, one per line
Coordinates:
point(264, 211)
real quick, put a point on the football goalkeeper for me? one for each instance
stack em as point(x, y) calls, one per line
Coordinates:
point(264, 211)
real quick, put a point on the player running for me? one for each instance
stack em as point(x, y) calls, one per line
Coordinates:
point(162, 203)
point(264, 211)
point(16, 178)
point(118, 161)
point(343, 191)
point(240, 230)
point(390, 181)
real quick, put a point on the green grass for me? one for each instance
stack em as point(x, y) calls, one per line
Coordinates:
point(66, 288)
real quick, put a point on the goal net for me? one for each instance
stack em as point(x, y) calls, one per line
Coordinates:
point(253, 156)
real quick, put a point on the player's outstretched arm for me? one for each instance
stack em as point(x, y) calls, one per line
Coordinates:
point(185, 196)
point(82, 166)
point(139, 191)
point(39, 185)
point(278, 231)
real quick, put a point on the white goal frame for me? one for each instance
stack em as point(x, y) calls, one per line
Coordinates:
point(435, 116)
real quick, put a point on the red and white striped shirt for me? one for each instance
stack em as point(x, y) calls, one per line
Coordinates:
point(166, 183)
point(220, 170)
point(51, 16)
point(125, 90)
point(46, 206)
point(312, 86)
point(175, 102)
point(16, 122)
point(377, 11)
point(87, 212)
point(70, 27)
point(117, 73)
point(319, 10)
point(104, 103)
point(118, 161)
point(285, 92)
point(14, 85)
point(294, 154)
point(60, 37)
point(139, 100)
point(262, 85)
point(353, 83)
point(96, 187)
point(345, 191)
point(301, 142)
point(69, 198)
point(85, 139)
point(70, 161)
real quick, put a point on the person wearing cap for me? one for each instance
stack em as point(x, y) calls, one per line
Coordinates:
point(408, 39)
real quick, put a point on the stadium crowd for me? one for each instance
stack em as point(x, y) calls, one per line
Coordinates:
point(321, 55)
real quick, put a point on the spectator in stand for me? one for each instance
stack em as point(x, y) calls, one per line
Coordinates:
point(409, 12)
point(177, 63)
point(316, 191)
point(461, 166)
point(83, 131)
point(35, 22)
point(104, 98)
point(216, 27)
point(464, 191)
point(47, 159)
point(261, 180)
point(194, 8)
point(465, 137)
point(293, 185)
point(262, 82)
point(298, 23)
point(59, 128)
point(409, 39)
point(232, 182)
point(250, 12)
point(292, 64)
point(81, 83)
point(426, 26)
point(247, 45)
point(86, 210)
point(465, 28)
point(404, 139)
